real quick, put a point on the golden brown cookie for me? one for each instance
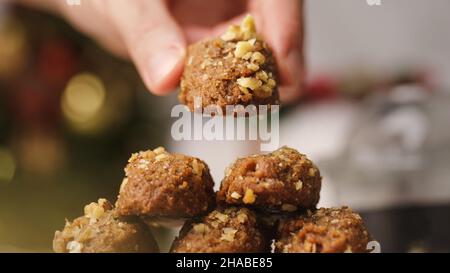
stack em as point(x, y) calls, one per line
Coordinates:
point(334, 230)
point(160, 184)
point(283, 180)
point(229, 230)
point(101, 230)
point(236, 69)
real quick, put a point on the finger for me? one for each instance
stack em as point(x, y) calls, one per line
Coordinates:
point(154, 40)
point(290, 94)
point(101, 31)
point(196, 33)
point(221, 28)
point(205, 13)
point(281, 23)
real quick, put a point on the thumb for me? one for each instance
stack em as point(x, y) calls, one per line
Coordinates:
point(282, 26)
point(154, 40)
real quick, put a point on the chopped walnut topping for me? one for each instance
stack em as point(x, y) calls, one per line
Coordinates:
point(242, 218)
point(228, 234)
point(105, 204)
point(258, 57)
point(247, 56)
point(262, 75)
point(288, 207)
point(159, 150)
point(214, 224)
point(246, 31)
point(263, 83)
point(96, 210)
point(249, 197)
point(246, 37)
point(253, 67)
point(334, 221)
point(222, 217)
point(143, 164)
point(235, 195)
point(312, 172)
point(161, 157)
point(248, 28)
point(74, 247)
point(133, 157)
point(271, 83)
point(248, 82)
point(233, 33)
point(147, 155)
point(243, 48)
point(197, 167)
point(299, 185)
point(266, 90)
point(201, 228)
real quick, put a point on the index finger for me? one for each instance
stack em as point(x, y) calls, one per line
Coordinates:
point(281, 23)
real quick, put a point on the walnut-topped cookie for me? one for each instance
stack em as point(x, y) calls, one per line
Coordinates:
point(227, 230)
point(235, 69)
point(326, 230)
point(283, 180)
point(160, 184)
point(101, 230)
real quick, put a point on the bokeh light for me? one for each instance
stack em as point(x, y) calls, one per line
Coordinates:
point(13, 47)
point(83, 100)
point(7, 165)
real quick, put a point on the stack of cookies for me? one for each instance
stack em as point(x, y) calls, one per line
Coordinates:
point(266, 203)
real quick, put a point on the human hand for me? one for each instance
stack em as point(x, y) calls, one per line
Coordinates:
point(155, 33)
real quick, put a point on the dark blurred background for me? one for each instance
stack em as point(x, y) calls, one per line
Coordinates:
point(70, 116)
point(375, 118)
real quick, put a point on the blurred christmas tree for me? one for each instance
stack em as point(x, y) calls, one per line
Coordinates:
point(70, 115)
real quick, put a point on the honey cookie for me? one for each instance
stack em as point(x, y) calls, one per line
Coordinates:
point(327, 230)
point(101, 230)
point(236, 69)
point(159, 184)
point(283, 180)
point(227, 230)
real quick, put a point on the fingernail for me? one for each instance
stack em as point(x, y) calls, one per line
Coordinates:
point(163, 63)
